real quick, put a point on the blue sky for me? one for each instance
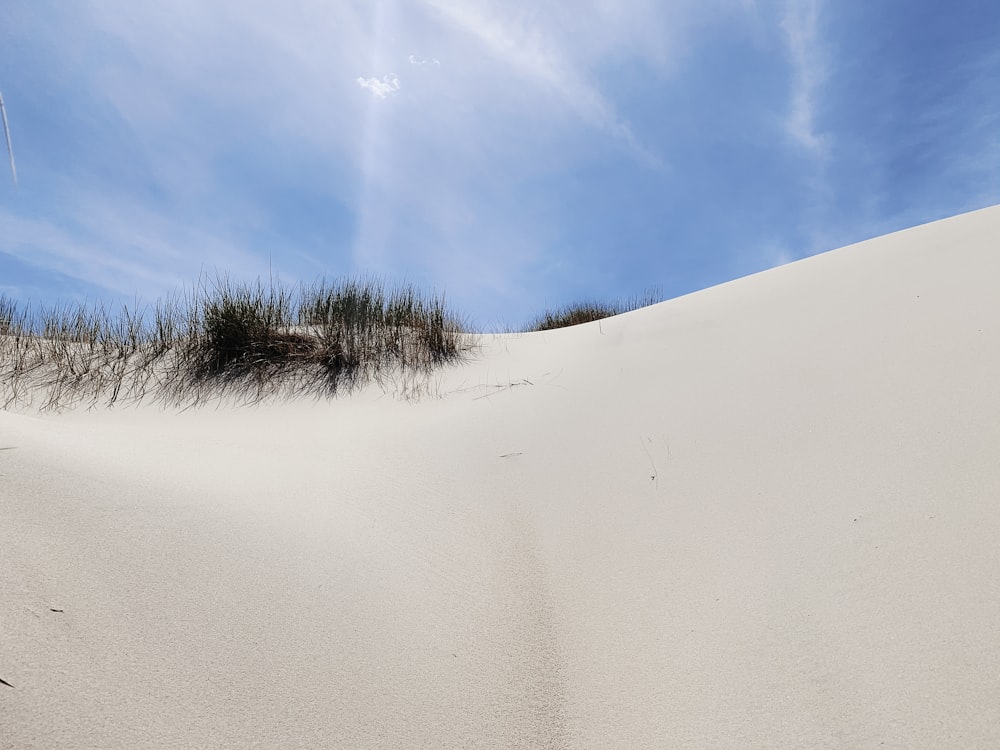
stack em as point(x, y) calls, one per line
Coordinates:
point(511, 154)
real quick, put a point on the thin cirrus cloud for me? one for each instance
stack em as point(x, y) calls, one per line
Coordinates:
point(801, 28)
point(546, 60)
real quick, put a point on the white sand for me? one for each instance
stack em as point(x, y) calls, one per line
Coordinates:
point(766, 515)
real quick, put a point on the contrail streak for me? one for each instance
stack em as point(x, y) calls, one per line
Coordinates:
point(10, 149)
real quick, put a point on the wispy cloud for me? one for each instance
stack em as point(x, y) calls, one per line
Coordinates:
point(122, 245)
point(381, 88)
point(6, 133)
point(414, 60)
point(536, 54)
point(801, 29)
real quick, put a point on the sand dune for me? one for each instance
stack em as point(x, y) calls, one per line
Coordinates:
point(764, 515)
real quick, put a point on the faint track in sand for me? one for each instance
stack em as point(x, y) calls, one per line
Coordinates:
point(534, 700)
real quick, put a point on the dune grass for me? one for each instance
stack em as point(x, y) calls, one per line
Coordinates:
point(251, 341)
point(589, 311)
point(248, 340)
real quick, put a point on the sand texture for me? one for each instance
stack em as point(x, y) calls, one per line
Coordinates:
point(765, 515)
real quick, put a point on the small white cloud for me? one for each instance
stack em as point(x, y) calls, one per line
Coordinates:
point(414, 60)
point(380, 87)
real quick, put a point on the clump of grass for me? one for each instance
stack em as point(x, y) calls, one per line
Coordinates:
point(588, 312)
point(245, 326)
point(246, 339)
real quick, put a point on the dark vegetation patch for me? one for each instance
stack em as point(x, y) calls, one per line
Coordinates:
point(588, 312)
point(252, 341)
point(249, 340)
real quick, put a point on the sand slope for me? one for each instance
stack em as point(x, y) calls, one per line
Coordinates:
point(763, 515)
